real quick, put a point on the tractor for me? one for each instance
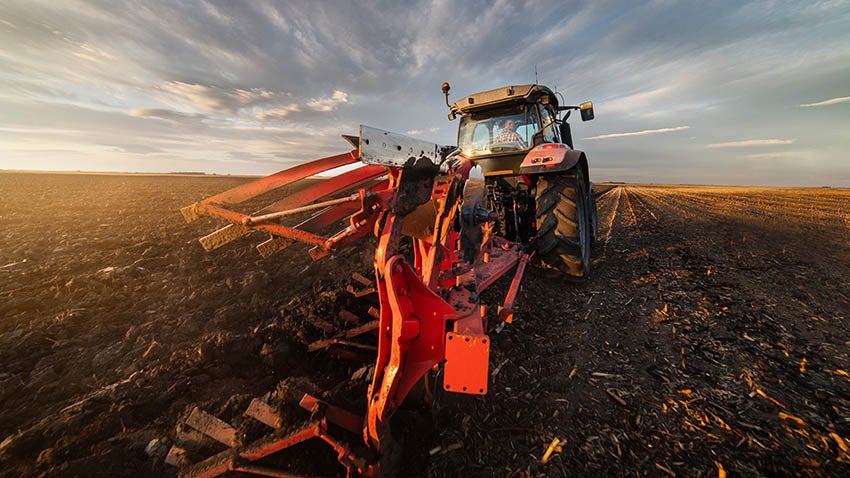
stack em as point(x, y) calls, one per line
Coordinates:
point(536, 181)
point(449, 221)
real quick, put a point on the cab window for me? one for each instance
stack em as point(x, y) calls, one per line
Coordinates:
point(498, 131)
point(548, 122)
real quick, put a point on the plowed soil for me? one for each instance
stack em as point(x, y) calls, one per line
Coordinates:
point(712, 338)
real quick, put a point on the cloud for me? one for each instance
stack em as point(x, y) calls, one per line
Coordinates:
point(137, 149)
point(164, 114)
point(771, 156)
point(93, 54)
point(230, 101)
point(278, 113)
point(215, 100)
point(749, 143)
point(97, 51)
point(87, 57)
point(321, 105)
point(419, 132)
point(636, 102)
point(640, 133)
point(328, 104)
point(833, 101)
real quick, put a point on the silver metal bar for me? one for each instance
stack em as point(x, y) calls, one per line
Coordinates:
point(251, 220)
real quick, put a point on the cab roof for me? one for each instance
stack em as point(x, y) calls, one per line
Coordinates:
point(507, 95)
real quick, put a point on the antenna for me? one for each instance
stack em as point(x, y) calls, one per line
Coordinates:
point(535, 74)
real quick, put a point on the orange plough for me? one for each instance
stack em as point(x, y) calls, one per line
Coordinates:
point(430, 314)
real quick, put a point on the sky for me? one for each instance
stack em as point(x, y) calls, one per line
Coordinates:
point(684, 92)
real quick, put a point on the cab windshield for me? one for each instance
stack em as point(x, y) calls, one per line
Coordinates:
point(498, 131)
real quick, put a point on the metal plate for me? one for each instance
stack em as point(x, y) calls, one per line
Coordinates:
point(467, 363)
point(392, 149)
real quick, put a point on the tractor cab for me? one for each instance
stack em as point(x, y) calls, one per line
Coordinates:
point(498, 131)
point(499, 127)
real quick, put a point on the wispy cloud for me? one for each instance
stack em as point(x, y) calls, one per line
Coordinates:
point(640, 133)
point(137, 149)
point(750, 143)
point(215, 100)
point(278, 113)
point(87, 57)
point(420, 132)
point(93, 54)
point(321, 105)
point(635, 102)
point(229, 101)
point(164, 114)
point(832, 101)
point(328, 104)
point(770, 156)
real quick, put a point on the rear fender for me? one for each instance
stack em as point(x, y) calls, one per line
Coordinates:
point(551, 158)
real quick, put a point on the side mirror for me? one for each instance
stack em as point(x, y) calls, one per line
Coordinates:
point(452, 116)
point(586, 110)
point(566, 134)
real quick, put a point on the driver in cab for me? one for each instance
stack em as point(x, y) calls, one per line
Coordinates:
point(509, 134)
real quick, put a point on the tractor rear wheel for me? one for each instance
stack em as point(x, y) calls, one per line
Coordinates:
point(563, 223)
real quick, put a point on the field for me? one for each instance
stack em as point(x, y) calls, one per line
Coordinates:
point(713, 337)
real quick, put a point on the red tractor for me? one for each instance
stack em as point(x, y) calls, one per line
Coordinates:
point(539, 185)
point(512, 188)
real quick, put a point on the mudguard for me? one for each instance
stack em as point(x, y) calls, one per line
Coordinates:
point(550, 158)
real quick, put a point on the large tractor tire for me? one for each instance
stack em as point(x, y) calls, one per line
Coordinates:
point(564, 225)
